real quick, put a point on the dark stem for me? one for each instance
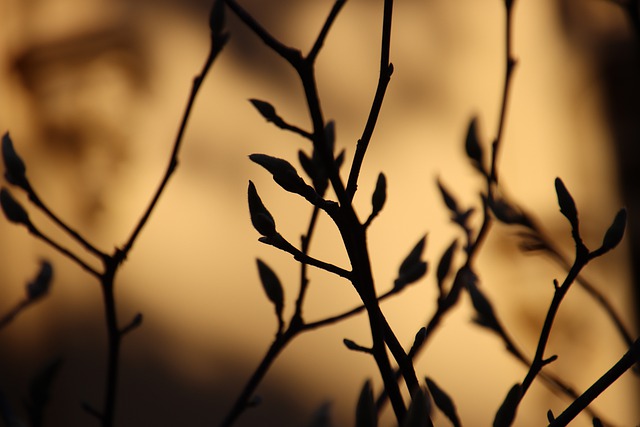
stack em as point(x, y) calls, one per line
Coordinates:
point(555, 254)
point(113, 341)
point(630, 358)
point(386, 69)
point(64, 251)
point(559, 294)
point(249, 389)
point(73, 233)
point(216, 48)
point(337, 6)
point(7, 318)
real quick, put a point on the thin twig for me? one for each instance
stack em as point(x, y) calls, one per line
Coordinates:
point(35, 199)
point(631, 357)
point(216, 47)
point(591, 289)
point(8, 317)
point(313, 54)
point(281, 243)
point(386, 69)
point(64, 251)
point(560, 291)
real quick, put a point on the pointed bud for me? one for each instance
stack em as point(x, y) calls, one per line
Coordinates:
point(412, 268)
point(39, 286)
point(448, 199)
point(330, 135)
point(366, 413)
point(12, 209)
point(507, 411)
point(307, 164)
point(379, 196)
point(445, 264)
point(266, 110)
point(272, 286)
point(418, 412)
point(261, 219)
point(15, 170)
point(443, 401)
point(418, 340)
point(352, 345)
point(216, 18)
point(285, 175)
point(473, 147)
point(615, 233)
point(550, 417)
point(566, 203)
point(340, 159)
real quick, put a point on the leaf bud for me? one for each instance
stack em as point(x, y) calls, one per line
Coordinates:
point(15, 170)
point(272, 286)
point(39, 286)
point(566, 203)
point(12, 209)
point(614, 234)
point(261, 218)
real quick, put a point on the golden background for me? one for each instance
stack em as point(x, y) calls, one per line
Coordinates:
point(92, 93)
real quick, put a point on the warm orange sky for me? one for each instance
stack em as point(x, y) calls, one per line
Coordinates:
point(94, 109)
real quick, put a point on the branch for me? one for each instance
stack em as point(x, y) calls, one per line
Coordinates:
point(630, 358)
point(281, 243)
point(386, 69)
point(337, 6)
point(216, 47)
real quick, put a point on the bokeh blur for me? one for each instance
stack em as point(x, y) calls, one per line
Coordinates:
point(92, 93)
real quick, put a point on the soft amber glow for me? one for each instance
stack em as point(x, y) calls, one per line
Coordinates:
point(92, 95)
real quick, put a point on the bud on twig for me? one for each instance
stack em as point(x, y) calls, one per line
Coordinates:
point(12, 209)
point(266, 110)
point(443, 401)
point(473, 147)
point(39, 286)
point(366, 412)
point(507, 411)
point(412, 268)
point(15, 170)
point(216, 18)
point(272, 286)
point(379, 196)
point(614, 234)
point(285, 175)
point(566, 203)
point(261, 219)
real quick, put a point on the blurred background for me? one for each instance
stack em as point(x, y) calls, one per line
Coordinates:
point(93, 91)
